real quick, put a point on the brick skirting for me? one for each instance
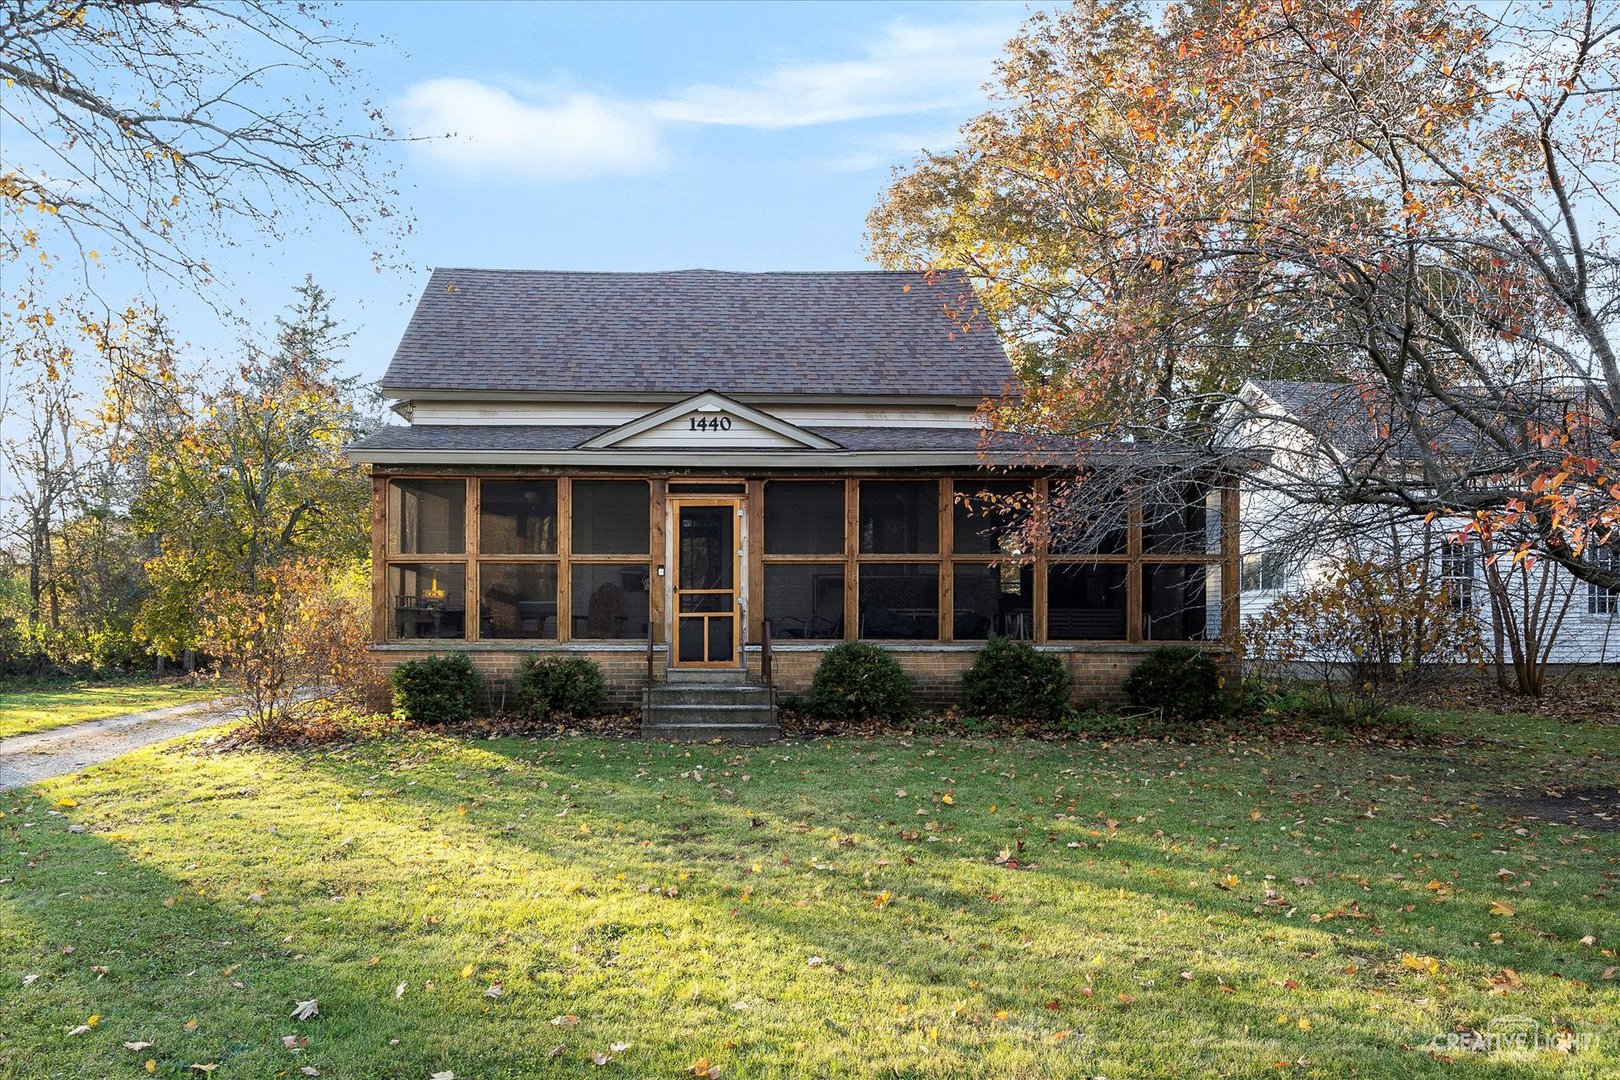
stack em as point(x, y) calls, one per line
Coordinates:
point(1098, 670)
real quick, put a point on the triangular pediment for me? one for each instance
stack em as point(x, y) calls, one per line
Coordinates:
point(709, 421)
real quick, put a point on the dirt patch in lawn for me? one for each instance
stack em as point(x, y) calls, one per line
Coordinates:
point(1589, 808)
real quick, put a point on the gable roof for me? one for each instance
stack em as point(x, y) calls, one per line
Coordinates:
point(710, 402)
point(860, 333)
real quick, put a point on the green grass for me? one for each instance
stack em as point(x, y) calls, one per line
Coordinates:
point(27, 707)
point(676, 899)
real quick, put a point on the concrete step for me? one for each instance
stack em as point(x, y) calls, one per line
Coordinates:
point(702, 732)
point(704, 710)
point(708, 714)
point(707, 694)
point(691, 676)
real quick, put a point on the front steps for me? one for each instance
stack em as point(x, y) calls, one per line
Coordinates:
point(697, 706)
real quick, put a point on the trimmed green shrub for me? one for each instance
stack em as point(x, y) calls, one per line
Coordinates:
point(435, 689)
point(561, 686)
point(1180, 680)
point(1010, 678)
point(857, 681)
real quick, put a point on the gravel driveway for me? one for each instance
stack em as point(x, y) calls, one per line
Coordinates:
point(28, 759)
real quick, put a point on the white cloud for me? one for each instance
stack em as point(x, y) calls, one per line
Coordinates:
point(555, 136)
point(494, 134)
point(909, 69)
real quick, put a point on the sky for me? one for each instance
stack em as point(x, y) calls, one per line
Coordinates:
point(634, 136)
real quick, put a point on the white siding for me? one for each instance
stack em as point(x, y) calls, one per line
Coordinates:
point(679, 433)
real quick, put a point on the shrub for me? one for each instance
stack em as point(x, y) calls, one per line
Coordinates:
point(435, 689)
point(857, 681)
point(1178, 679)
point(563, 686)
point(294, 648)
point(1370, 629)
point(1009, 678)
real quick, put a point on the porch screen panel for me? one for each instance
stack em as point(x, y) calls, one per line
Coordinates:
point(805, 601)
point(427, 517)
point(1182, 521)
point(1086, 601)
point(984, 514)
point(517, 600)
point(899, 601)
point(427, 600)
point(610, 600)
point(993, 599)
point(517, 517)
point(899, 517)
point(804, 517)
point(1175, 601)
point(610, 517)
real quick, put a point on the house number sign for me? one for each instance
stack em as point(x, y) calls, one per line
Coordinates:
point(715, 422)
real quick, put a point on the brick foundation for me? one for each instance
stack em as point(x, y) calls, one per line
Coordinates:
point(1098, 670)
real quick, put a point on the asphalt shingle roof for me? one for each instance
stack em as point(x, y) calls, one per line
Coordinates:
point(888, 333)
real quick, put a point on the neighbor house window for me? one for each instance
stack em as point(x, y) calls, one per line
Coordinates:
point(1264, 571)
point(1457, 574)
point(1599, 600)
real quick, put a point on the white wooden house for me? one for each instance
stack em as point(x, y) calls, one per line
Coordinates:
point(1320, 430)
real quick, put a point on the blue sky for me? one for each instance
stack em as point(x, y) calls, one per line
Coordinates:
point(638, 136)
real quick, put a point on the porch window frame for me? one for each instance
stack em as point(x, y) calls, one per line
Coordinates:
point(945, 560)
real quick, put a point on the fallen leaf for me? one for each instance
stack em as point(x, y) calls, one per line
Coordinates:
point(445, 1075)
point(619, 1048)
point(204, 1068)
point(1426, 964)
point(303, 1010)
point(814, 961)
point(309, 1070)
point(399, 991)
point(566, 1020)
point(82, 1029)
point(494, 991)
point(600, 1058)
point(1502, 907)
point(136, 1045)
point(190, 1025)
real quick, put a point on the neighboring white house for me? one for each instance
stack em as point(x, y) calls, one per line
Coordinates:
point(1321, 430)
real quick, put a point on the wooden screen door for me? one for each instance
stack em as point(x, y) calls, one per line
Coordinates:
point(708, 575)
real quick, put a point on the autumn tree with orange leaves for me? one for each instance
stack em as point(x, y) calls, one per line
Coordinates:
point(1413, 197)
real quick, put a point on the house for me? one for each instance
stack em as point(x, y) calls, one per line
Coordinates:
point(1315, 434)
point(665, 471)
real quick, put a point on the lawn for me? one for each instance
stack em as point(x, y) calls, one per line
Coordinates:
point(922, 907)
point(27, 707)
